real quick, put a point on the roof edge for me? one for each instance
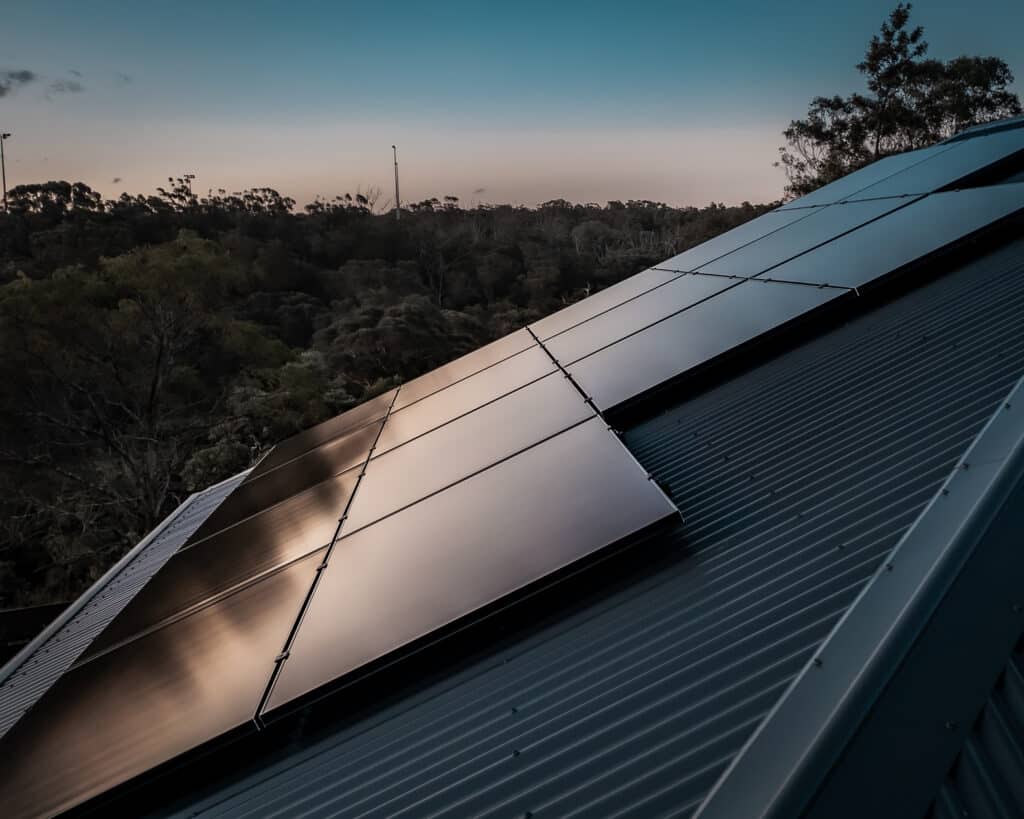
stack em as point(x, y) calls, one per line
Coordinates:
point(12, 665)
point(786, 766)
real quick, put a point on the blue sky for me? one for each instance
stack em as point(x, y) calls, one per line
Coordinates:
point(495, 102)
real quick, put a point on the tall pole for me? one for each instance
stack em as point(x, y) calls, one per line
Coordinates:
point(3, 168)
point(398, 201)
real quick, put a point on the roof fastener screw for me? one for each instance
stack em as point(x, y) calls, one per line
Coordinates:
point(818, 662)
point(966, 465)
point(945, 491)
point(888, 567)
point(515, 752)
point(1007, 405)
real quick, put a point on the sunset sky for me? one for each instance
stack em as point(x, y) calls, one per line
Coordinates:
point(493, 102)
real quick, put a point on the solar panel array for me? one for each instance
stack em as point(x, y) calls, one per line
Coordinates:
point(373, 530)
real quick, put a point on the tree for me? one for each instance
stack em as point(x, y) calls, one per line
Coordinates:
point(911, 102)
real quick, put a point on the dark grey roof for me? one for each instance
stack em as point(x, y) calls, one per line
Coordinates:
point(795, 480)
point(34, 669)
point(987, 779)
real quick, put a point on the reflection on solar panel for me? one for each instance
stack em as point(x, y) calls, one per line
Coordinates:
point(734, 239)
point(609, 327)
point(821, 226)
point(306, 470)
point(673, 346)
point(937, 172)
point(606, 299)
point(140, 705)
point(278, 535)
point(908, 234)
point(857, 181)
point(463, 367)
point(466, 547)
point(463, 396)
point(456, 450)
point(374, 409)
point(376, 529)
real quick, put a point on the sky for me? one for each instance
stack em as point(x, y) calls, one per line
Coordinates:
point(493, 102)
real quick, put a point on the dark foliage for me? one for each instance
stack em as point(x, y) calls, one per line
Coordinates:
point(911, 102)
point(154, 345)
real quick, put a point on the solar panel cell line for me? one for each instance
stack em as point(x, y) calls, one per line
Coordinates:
point(947, 167)
point(151, 700)
point(904, 236)
point(683, 292)
point(468, 444)
point(463, 396)
point(306, 470)
point(671, 347)
point(236, 555)
point(465, 548)
point(822, 226)
point(731, 240)
point(867, 176)
point(372, 410)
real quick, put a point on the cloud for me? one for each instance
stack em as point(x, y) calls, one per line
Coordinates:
point(10, 81)
point(64, 87)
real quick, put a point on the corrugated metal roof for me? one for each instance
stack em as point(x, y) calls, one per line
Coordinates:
point(987, 779)
point(30, 674)
point(795, 479)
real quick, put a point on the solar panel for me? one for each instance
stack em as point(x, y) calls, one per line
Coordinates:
point(606, 299)
point(688, 339)
point(291, 478)
point(371, 410)
point(300, 525)
point(902, 237)
point(729, 241)
point(462, 396)
point(465, 446)
point(823, 225)
point(867, 176)
point(464, 367)
point(466, 547)
point(151, 700)
point(632, 316)
point(946, 167)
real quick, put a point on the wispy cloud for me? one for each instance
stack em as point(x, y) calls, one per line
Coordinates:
point(10, 81)
point(64, 87)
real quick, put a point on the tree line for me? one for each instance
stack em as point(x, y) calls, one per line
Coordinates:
point(155, 344)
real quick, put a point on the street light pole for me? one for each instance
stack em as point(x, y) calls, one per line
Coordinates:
point(3, 168)
point(398, 201)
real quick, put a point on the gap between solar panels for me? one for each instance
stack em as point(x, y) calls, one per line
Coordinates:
point(318, 573)
point(758, 278)
point(457, 523)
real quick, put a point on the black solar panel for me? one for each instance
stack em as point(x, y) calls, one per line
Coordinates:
point(138, 706)
point(673, 346)
point(466, 547)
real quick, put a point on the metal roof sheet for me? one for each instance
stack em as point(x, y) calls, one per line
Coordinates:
point(795, 480)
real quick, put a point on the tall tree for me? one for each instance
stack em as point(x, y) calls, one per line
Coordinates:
point(911, 102)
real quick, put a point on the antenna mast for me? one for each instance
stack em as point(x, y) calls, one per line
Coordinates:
point(398, 201)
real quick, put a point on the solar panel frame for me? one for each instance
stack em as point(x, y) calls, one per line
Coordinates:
point(464, 548)
point(145, 703)
point(688, 339)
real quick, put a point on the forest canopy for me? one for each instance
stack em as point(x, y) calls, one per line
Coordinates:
point(156, 344)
